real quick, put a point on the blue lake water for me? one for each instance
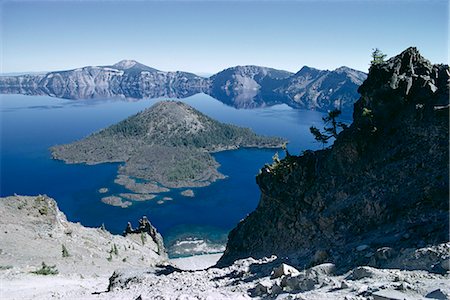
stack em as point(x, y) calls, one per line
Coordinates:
point(31, 124)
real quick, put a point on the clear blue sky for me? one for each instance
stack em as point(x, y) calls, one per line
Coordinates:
point(208, 36)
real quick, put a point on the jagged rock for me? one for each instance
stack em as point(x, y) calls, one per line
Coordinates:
point(284, 270)
point(145, 227)
point(304, 281)
point(385, 176)
point(322, 270)
point(437, 294)
point(261, 289)
point(384, 253)
point(344, 285)
point(276, 289)
point(445, 264)
point(361, 272)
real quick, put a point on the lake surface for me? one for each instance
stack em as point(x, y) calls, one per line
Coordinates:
point(32, 124)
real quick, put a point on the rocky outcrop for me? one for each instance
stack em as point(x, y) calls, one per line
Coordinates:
point(240, 86)
point(379, 193)
point(145, 227)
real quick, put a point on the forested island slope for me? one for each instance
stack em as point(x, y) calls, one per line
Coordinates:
point(169, 143)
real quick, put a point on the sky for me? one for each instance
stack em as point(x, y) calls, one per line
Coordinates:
point(209, 36)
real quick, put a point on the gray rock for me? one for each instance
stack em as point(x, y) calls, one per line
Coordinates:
point(344, 285)
point(390, 295)
point(284, 270)
point(445, 264)
point(323, 269)
point(362, 248)
point(384, 253)
point(261, 288)
point(437, 294)
point(299, 283)
point(361, 272)
point(276, 289)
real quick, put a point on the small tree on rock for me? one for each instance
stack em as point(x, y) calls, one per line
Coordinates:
point(331, 128)
point(377, 57)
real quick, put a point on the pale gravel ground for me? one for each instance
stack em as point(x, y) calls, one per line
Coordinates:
point(235, 282)
point(198, 262)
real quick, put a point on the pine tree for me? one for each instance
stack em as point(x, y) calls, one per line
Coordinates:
point(329, 131)
point(377, 57)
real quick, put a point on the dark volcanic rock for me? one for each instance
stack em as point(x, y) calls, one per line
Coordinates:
point(384, 182)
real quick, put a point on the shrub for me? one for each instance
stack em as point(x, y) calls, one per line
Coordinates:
point(46, 270)
point(65, 253)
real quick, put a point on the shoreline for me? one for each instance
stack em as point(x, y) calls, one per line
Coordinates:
point(196, 262)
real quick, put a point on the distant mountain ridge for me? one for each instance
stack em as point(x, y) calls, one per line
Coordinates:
point(240, 86)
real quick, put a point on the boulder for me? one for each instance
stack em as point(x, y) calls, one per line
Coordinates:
point(360, 273)
point(261, 289)
point(390, 295)
point(437, 294)
point(284, 270)
point(362, 248)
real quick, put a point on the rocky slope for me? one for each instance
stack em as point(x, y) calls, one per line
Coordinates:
point(167, 144)
point(34, 230)
point(240, 86)
point(378, 194)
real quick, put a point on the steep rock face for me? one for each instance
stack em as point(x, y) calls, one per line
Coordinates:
point(247, 86)
point(324, 90)
point(377, 194)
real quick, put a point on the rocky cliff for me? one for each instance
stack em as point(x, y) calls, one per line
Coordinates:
point(379, 193)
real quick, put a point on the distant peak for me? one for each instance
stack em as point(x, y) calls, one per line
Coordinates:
point(126, 64)
point(343, 69)
point(306, 69)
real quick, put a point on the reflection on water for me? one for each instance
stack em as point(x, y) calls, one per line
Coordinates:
point(242, 99)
